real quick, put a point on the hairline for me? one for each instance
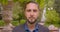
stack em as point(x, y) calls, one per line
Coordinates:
point(33, 3)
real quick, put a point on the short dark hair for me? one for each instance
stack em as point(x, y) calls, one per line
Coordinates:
point(31, 2)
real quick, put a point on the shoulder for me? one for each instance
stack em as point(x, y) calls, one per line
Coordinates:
point(43, 28)
point(18, 28)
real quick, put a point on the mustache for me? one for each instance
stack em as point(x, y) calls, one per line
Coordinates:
point(32, 17)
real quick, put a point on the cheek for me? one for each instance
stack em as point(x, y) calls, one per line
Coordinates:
point(27, 14)
point(36, 15)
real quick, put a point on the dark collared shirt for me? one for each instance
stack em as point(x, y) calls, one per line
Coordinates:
point(24, 28)
point(35, 30)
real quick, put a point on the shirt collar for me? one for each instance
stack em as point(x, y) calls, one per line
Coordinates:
point(36, 27)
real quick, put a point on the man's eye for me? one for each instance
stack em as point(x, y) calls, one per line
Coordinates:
point(29, 10)
point(34, 10)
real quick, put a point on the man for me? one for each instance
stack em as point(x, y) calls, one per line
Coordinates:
point(31, 13)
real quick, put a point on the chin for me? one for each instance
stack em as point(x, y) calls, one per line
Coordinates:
point(32, 22)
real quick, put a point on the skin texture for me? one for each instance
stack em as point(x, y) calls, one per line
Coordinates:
point(31, 13)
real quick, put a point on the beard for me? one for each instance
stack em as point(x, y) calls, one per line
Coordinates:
point(32, 20)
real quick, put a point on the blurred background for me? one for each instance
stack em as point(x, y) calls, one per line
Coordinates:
point(12, 12)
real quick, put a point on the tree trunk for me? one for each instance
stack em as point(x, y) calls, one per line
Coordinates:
point(7, 12)
point(7, 15)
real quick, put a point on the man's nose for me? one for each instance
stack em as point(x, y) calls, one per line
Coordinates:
point(32, 13)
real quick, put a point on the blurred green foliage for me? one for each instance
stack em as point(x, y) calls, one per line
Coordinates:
point(52, 17)
point(14, 23)
point(1, 23)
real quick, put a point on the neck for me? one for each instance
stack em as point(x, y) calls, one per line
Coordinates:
point(31, 26)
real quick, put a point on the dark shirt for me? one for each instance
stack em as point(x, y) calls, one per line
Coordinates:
point(35, 30)
point(24, 28)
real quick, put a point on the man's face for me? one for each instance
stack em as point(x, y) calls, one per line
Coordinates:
point(31, 12)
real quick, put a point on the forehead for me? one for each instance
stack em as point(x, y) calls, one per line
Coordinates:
point(32, 5)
